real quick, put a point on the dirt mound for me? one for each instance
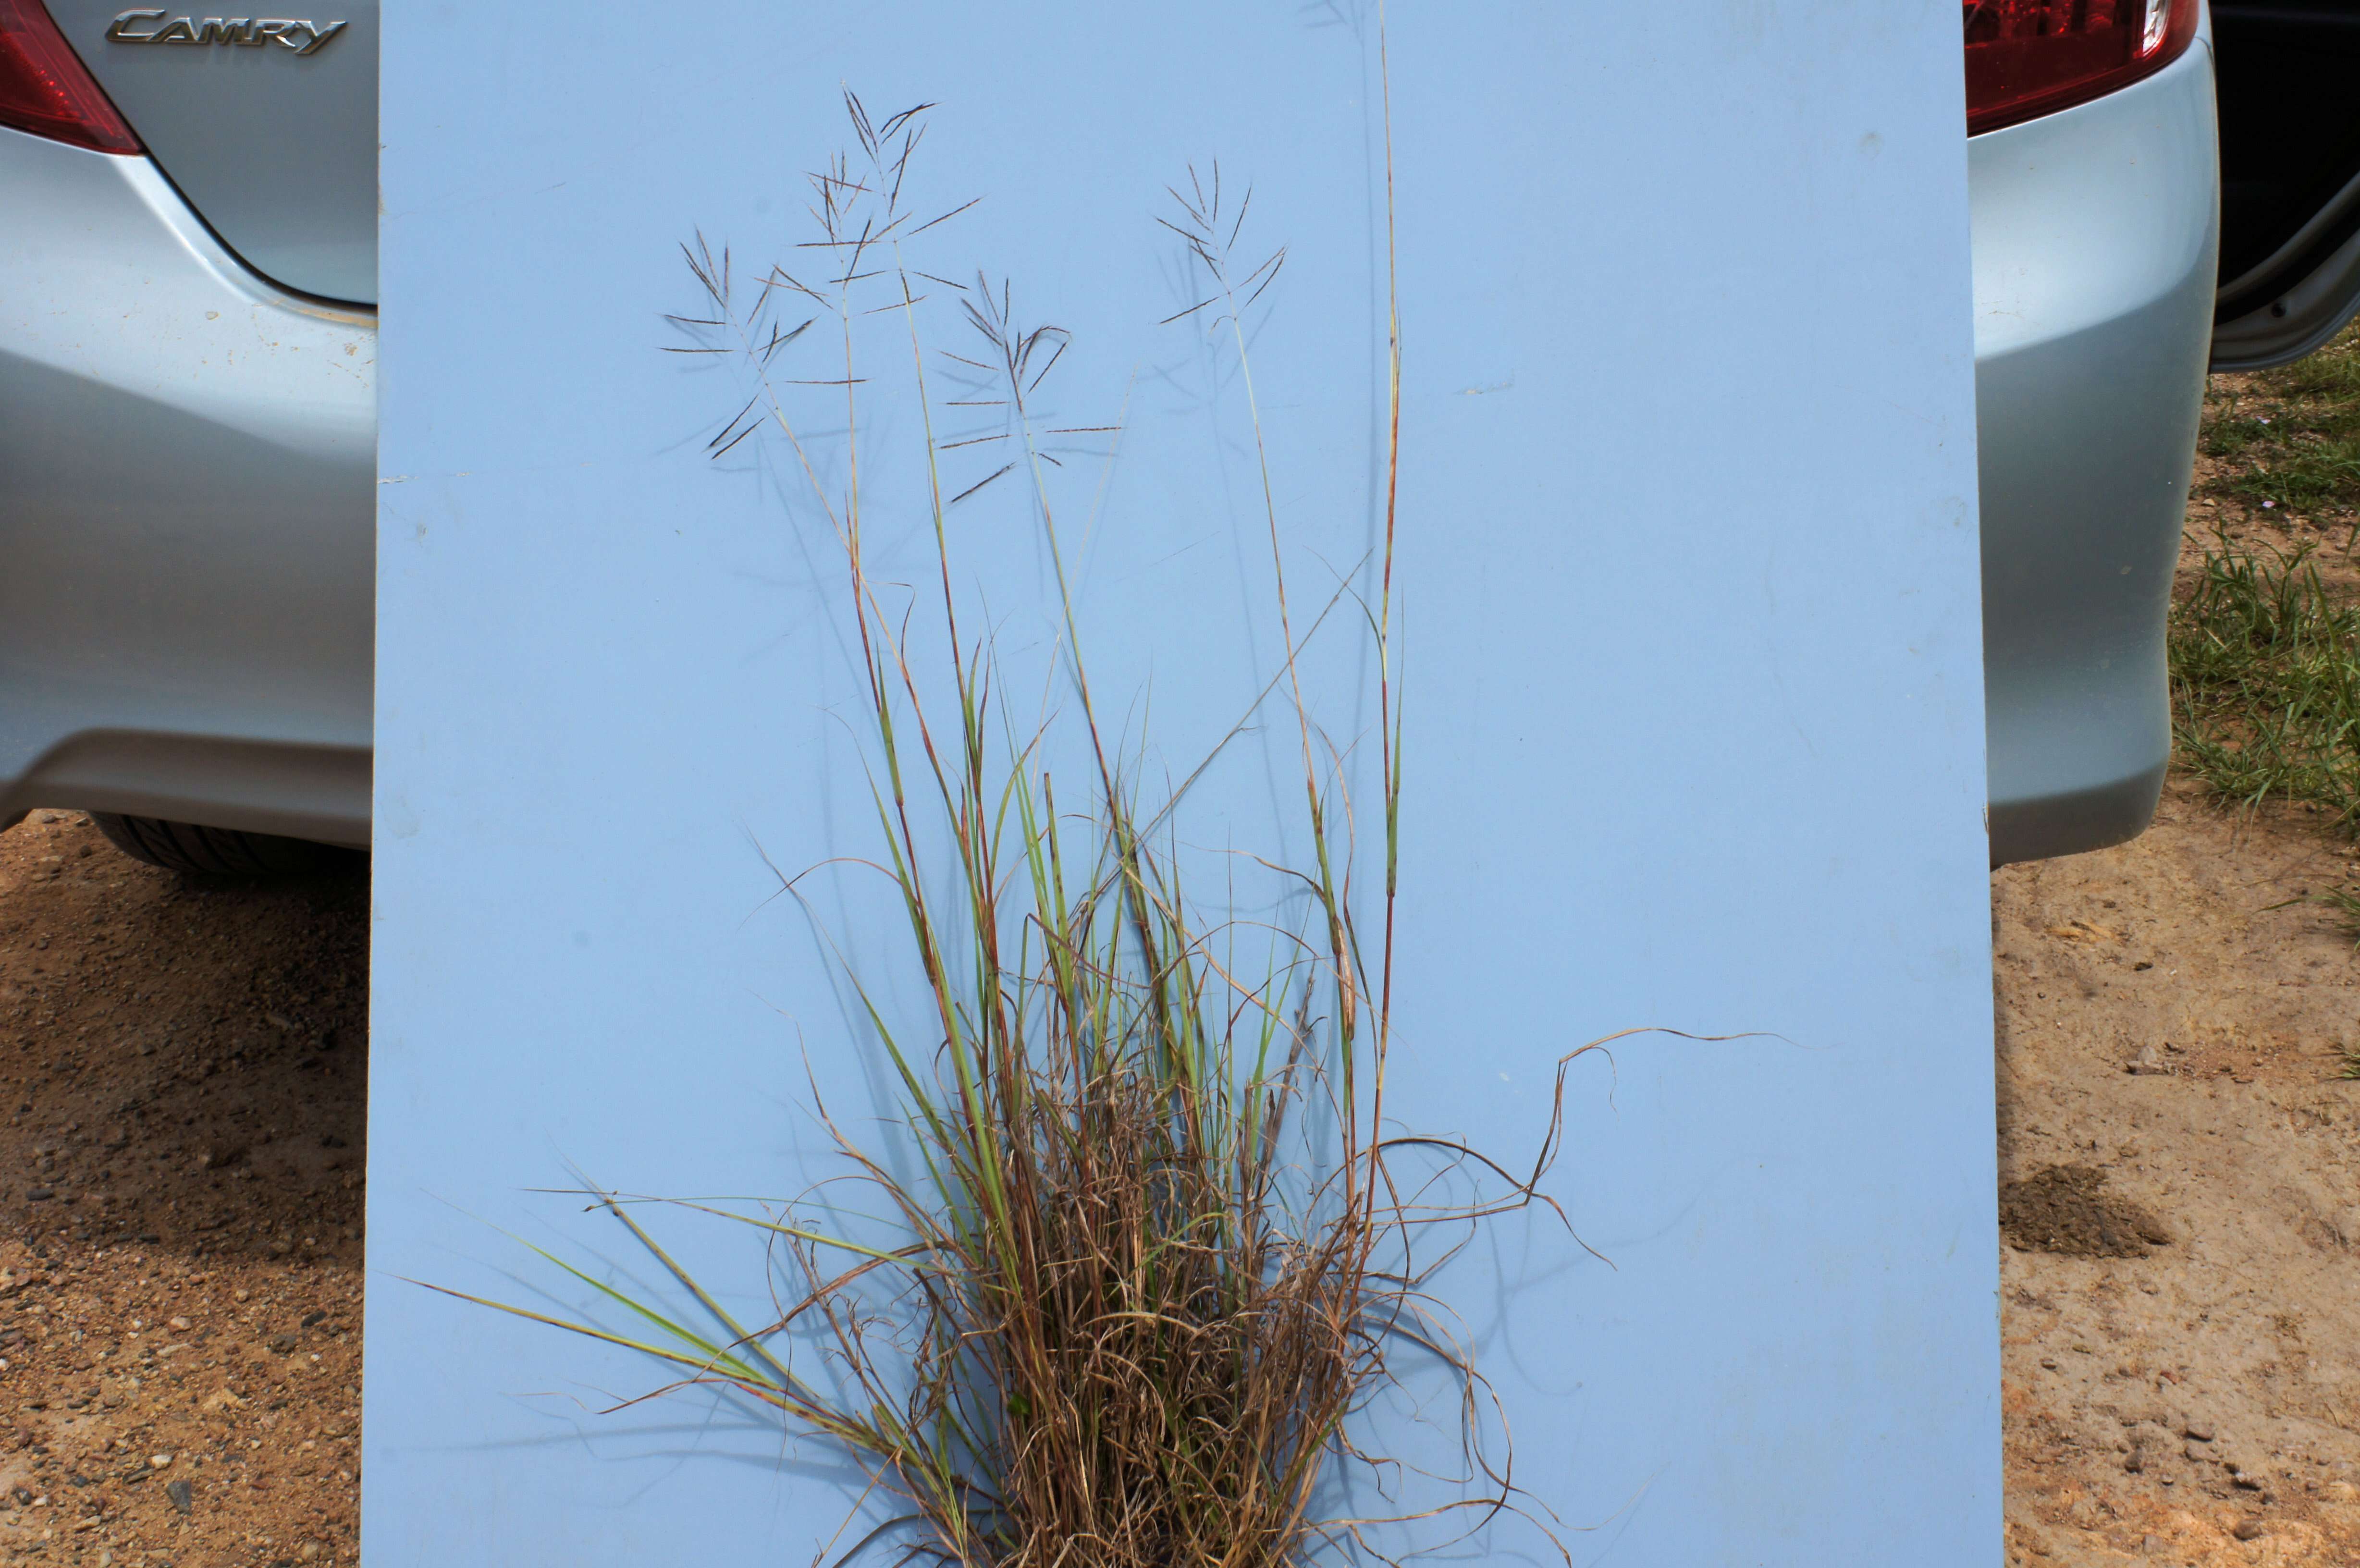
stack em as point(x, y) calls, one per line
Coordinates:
point(2063, 1209)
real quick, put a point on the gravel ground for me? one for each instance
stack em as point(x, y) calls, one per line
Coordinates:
point(183, 1070)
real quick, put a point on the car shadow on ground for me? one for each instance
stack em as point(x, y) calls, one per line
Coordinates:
point(183, 1063)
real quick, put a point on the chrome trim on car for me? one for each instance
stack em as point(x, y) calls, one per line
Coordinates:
point(303, 37)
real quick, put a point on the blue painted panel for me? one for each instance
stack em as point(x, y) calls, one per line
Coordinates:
point(1691, 650)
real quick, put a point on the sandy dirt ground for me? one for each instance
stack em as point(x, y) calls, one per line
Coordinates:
point(2180, 1158)
point(182, 1068)
point(182, 1071)
point(2180, 1166)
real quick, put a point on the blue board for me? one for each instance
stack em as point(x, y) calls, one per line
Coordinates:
point(1689, 640)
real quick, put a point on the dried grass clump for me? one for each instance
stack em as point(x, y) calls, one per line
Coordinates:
point(1161, 1251)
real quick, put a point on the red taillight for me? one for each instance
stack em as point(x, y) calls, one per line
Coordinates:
point(45, 88)
point(2027, 58)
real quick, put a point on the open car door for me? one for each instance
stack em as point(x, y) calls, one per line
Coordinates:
point(2289, 76)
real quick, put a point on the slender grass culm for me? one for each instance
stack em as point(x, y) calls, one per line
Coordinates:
point(1161, 1243)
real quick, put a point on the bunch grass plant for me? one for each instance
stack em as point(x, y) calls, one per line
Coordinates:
point(1142, 1243)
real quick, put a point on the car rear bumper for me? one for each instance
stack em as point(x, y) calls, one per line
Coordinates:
point(187, 473)
point(187, 458)
point(2095, 233)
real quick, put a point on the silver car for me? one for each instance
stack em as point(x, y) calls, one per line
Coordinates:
point(2100, 179)
point(187, 392)
point(188, 427)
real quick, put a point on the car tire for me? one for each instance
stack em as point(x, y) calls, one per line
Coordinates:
point(196, 850)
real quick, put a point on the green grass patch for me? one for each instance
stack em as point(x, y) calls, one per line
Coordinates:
point(2292, 436)
point(2266, 651)
point(2315, 471)
point(2266, 681)
point(2334, 372)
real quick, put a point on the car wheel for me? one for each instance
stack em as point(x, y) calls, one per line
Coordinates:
point(198, 851)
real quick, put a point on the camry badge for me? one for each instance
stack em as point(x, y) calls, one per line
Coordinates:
point(287, 32)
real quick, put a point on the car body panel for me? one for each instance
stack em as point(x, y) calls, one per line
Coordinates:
point(185, 622)
point(272, 138)
point(2095, 235)
point(187, 479)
